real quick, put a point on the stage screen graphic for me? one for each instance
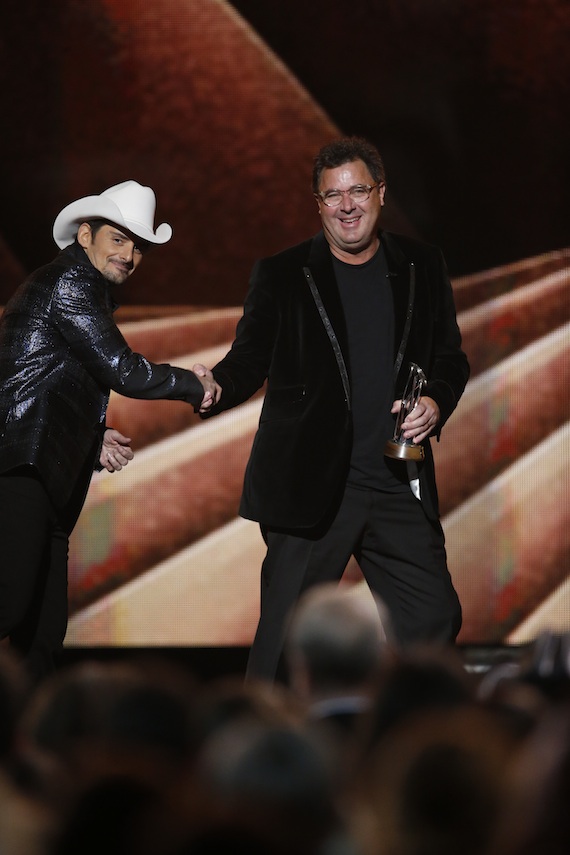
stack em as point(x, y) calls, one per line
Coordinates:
point(220, 107)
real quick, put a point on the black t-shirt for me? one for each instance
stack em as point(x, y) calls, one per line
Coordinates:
point(366, 296)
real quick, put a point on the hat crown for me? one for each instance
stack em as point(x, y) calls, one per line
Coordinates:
point(136, 203)
point(129, 205)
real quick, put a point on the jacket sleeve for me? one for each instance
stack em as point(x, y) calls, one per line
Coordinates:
point(81, 314)
point(245, 367)
point(450, 369)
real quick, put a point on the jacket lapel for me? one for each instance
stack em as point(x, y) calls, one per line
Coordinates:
point(399, 273)
point(321, 267)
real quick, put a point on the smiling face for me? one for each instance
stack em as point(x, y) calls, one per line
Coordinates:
point(351, 228)
point(111, 251)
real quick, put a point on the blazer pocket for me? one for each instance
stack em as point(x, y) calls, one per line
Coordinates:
point(286, 395)
point(284, 402)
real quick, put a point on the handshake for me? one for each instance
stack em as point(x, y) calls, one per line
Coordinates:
point(212, 392)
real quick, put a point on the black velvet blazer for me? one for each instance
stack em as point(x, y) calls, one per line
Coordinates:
point(301, 451)
point(60, 355)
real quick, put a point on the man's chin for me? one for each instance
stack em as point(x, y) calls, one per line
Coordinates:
point(114, 277)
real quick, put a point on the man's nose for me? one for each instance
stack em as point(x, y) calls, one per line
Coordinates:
point(127, 251)
point(347, 203)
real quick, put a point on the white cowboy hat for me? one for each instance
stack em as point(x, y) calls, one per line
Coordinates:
point(129, 205)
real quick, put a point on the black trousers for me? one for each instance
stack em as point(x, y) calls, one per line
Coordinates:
point(401, 554)
point(33, 571)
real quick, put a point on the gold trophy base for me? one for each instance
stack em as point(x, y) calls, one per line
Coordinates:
point(401, 451)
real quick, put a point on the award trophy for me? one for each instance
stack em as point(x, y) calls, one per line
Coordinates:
point(398, 447)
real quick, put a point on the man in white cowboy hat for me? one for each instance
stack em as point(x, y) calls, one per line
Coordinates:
point(60, 355)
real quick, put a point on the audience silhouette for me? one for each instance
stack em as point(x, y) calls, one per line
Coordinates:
point(367, 750)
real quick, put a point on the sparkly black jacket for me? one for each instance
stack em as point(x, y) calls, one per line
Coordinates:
point(60, 355)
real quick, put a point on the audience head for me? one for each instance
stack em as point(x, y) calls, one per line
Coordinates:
point(433, 785)
point(336, 642)
point(536, 818)
point(419, 680)
point(274, 780)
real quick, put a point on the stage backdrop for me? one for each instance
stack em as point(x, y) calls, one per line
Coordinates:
point(220, 107)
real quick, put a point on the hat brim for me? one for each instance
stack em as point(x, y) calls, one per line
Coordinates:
point(96, 207)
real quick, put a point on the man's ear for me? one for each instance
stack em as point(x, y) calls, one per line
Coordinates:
point(84, 234)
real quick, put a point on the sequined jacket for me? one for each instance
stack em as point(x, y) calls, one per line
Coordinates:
point(60, 355)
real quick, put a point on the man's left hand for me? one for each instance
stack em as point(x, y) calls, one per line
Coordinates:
point(422, 421)
point(116, 450)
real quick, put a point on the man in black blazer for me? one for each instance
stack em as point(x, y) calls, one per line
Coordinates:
point(333, 325)
point(60, 355)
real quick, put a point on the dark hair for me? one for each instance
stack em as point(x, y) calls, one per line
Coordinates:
point(96, 223)
point(347, 150)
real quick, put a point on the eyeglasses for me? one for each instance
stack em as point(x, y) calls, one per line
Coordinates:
point(358, 193)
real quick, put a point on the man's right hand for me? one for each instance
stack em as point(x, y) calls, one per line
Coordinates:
point(212, 391)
